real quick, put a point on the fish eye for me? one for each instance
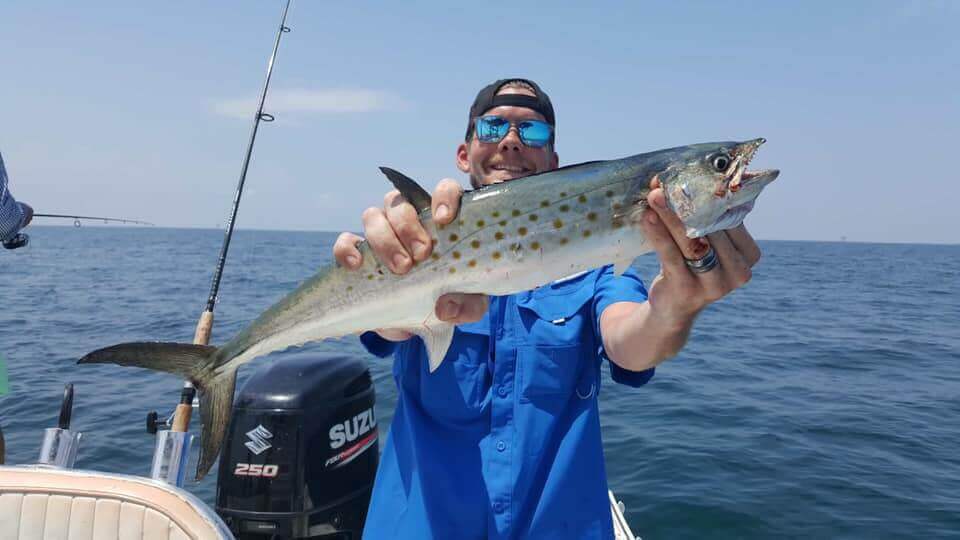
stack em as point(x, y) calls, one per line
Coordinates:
point(720, 162)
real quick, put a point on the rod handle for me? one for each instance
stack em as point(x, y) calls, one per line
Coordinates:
point(181, 418)
point(204, 327)
point(181, 415)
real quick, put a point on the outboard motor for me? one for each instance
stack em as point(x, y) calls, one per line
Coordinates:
point(302, 450)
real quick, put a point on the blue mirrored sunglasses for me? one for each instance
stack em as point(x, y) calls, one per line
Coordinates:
point(533, 133)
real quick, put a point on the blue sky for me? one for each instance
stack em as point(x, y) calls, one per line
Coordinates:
point(143, 110)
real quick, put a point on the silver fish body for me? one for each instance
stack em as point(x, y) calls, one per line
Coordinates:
point(507, 238)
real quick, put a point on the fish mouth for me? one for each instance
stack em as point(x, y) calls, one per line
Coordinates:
point(762, 176)
point(741, 177)
point(736, 193)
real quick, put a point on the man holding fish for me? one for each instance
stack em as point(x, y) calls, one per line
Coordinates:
point(502, 440)
point(516, 293)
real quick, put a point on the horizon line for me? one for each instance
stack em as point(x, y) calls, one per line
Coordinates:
point(236, 229)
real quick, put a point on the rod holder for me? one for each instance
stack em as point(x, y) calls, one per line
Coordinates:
point(59, 447)
point(170, 457)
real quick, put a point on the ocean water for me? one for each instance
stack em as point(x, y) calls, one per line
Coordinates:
point(822, 400)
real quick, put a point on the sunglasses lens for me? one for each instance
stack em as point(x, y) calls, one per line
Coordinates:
point(492, 128)
point(535, 133)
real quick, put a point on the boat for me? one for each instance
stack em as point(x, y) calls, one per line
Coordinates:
point(299, 461)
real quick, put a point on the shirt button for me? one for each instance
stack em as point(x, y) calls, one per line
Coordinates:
point(498, 507)
point(501, 446)
point(502, 391)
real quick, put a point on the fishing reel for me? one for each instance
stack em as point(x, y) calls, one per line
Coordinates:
point(18, 241)
point(155, 423)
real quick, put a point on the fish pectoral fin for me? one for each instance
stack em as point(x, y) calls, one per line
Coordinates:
point(409, 188)
point(437, 338)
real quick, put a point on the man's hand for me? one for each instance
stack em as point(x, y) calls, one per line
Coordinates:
point(28, 213)
point(677, 294)
point(397, 238)
point(638, 336)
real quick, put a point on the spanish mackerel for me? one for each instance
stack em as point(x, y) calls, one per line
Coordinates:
point(507, 238)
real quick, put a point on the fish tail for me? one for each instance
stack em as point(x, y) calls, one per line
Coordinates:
point(216, 407)
point(192, 362)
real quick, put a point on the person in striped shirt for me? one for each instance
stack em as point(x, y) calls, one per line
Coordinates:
point(14, 215)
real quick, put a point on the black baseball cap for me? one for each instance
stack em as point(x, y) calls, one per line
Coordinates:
point(487, 99)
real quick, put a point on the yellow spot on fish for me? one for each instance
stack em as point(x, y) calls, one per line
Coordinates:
point(496, 214)
point(453, 270)
point(563, 194)
point(516, 212)
point(456, 254)
point(586, 233)
point(557, 224)
point(534, 245)
point(563, 241)
point(481, 223)
point(564, 207)
point(461, 222)
point(609, 193)
point(472, 263)
point(616, 206)
point(617, 223)
point(592, 216)
point(522, 231)
point(502, 223)
point(370, 277)
point(454, 237)
point(582, 198)
point(349, 288)
point(533, 217)
point(496, 255)
point(498, 235)
point(544, 204)
point(475, 244)
point(434, 256)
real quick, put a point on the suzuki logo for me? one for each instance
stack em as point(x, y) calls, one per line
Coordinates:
point(258, 440)
point(350, 430)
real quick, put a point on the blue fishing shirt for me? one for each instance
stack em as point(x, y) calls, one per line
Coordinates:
point(11, 212)
point(503, 439)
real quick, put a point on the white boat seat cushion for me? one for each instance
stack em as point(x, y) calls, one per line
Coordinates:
point(51, 504)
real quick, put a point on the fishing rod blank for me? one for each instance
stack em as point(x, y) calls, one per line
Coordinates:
point(22, 239)
point(76, 219)
point(181, 419)
point(257, 118)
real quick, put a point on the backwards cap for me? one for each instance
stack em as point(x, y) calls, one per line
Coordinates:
point(488, 99)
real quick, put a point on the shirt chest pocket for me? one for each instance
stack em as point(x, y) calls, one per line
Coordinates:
point(557, 352)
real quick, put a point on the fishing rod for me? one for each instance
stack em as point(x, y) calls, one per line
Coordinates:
point(181, 416)
point(76, 219)
point(22, 239)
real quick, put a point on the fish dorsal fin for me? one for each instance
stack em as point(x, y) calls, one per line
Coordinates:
point(437, 338)
point(409, 188)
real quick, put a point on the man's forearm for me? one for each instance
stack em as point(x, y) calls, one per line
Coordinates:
point(636, 339)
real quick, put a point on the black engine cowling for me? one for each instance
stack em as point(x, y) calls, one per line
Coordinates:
point(301, 451)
